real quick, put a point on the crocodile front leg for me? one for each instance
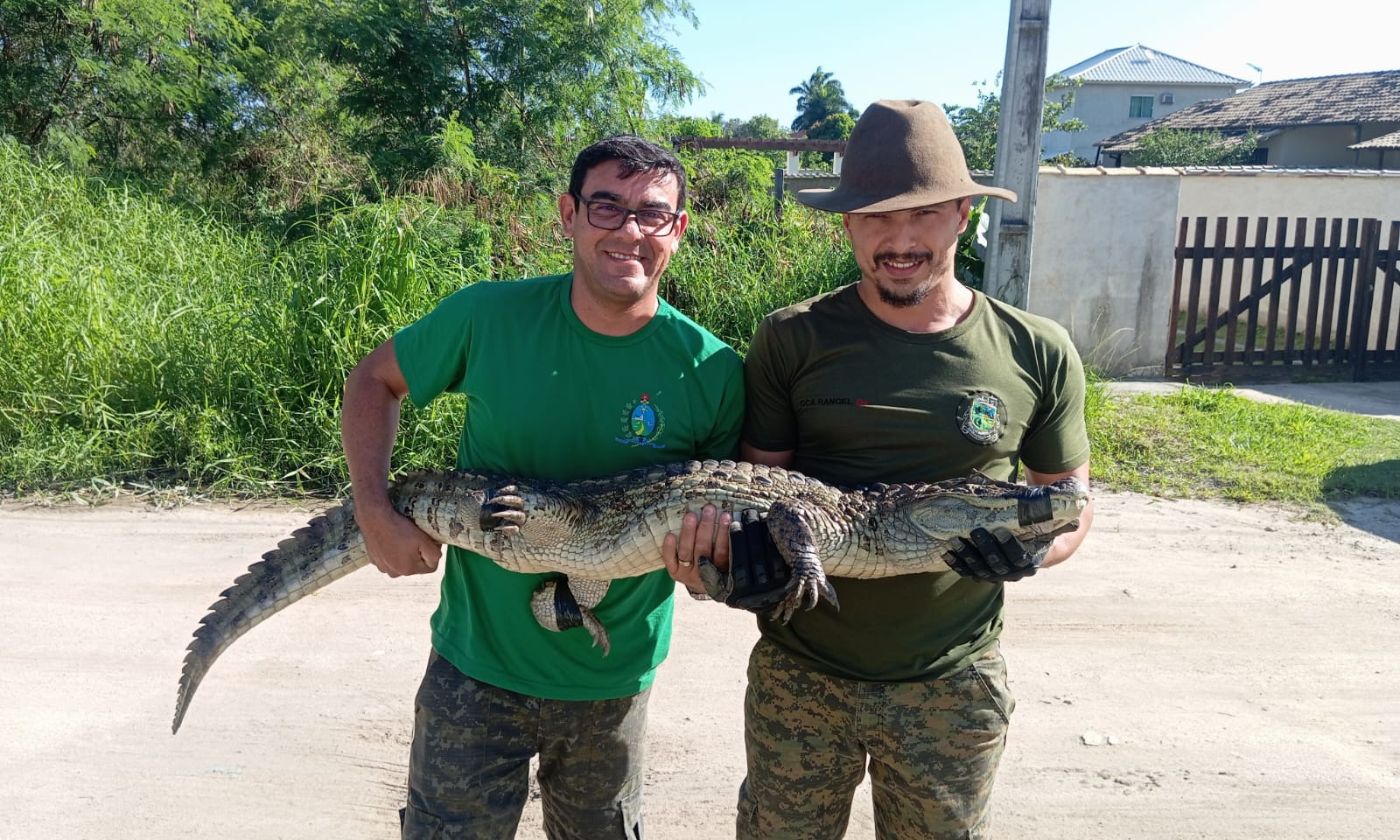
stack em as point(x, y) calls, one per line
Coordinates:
point(790, 523)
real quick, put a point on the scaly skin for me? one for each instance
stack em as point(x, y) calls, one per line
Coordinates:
point(601, 529)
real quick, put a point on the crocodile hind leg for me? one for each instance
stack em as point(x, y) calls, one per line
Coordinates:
point(562, 604)
point(789, 524)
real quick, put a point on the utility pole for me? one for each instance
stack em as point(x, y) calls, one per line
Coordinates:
point(1008, 267)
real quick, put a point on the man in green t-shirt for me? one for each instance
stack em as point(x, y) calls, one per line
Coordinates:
point(904, 376)
point(565, 377)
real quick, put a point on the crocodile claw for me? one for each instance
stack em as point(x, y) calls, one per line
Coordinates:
point(807, 587)
point(504, 518)
point(503, 508)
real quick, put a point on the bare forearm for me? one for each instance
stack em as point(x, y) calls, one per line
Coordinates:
point(369, 424)
point(1066, 544)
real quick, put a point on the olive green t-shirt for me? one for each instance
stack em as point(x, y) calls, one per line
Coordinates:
point(546, 397)
point(861, 401)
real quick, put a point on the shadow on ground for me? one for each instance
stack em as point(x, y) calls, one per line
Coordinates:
point(1359, 506)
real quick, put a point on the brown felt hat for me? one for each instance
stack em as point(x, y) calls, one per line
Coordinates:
point(902, 154)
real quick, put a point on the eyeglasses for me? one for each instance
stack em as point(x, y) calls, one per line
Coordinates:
point(609, 216)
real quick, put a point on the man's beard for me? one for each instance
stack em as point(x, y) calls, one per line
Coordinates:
point(906, 298)
point(903, 300)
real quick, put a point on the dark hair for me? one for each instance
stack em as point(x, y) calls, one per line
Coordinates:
point(633, 155)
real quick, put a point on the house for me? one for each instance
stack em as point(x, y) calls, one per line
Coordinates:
point(1385, 143)
point(1124, 88)
point(1326, 122)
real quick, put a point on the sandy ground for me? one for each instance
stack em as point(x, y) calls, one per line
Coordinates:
point(1199, 670)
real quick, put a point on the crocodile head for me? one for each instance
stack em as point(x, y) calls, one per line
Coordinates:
point(1027, 511)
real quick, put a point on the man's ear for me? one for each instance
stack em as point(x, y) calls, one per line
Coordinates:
point(568, 211)
point(682, 222)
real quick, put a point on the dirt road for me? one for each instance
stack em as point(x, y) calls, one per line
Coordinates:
point(1199, 670)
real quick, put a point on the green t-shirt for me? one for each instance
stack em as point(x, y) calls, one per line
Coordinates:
point(549, 398)
point(860, 402)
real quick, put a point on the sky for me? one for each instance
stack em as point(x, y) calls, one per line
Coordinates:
point(750, 53)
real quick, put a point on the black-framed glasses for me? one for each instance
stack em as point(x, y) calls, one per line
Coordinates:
point(650, 221)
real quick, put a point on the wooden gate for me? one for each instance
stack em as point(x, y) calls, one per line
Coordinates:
point(1260, 305)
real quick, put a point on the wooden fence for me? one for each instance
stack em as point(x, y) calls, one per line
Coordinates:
point(1301, 299)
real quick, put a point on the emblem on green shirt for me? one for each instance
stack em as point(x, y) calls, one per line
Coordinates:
point(642, 424)
point(982, 418)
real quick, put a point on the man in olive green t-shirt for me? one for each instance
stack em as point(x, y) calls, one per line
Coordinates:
point(905, 376)
point(565, 377)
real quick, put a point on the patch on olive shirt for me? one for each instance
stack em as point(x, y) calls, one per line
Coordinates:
point(982, 417)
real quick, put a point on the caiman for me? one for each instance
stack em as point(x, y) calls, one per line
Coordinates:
point(601, 529)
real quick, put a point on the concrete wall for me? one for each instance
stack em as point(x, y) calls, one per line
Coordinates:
point(1244, 192)
point(1104, 109)
point(1102, 261)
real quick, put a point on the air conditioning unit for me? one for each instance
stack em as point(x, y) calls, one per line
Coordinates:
point(1167, 98)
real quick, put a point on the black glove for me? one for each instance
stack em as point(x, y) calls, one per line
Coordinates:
point(997, 556)
point(758, 575)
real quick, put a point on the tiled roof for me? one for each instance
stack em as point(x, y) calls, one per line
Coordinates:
point(1225, 171)
point(1144, 64)
point(1323, 100)
point(1385, 141)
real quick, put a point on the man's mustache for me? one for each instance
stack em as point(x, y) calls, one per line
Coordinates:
point(903, 256)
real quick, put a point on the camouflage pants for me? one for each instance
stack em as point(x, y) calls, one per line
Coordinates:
point(468, 773)
point(932, 749)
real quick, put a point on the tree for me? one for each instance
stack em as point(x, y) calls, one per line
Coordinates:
point(818, 98)
point(285, 102)
point(835, 127)
point(760, 127)
point(143, 84)
point(525, 76)
point(976, 127)
point(1183, 147)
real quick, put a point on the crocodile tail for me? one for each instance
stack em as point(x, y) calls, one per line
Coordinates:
point(326, 549)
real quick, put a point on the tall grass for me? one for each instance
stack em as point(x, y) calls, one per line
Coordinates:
point(141, 342)
point(147, 343)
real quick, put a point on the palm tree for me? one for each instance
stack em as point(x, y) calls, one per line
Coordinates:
point(818, 98)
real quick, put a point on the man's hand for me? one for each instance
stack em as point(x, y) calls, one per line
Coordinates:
point(758, 574)
point(396, 546)
point(997, 556)
point(734, 562)
point(703, 540)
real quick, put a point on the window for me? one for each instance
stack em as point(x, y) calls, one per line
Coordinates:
point(1140, 106)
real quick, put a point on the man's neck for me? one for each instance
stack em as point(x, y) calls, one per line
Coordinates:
point(609, 317)
point(945, 306)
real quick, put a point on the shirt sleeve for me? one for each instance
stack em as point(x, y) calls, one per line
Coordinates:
point(770, 422)
point(432, 351)
point(723, 441)
point(1058, 440)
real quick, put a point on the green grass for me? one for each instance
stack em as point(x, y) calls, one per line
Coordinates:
point(145, 344)
point(1213, 443)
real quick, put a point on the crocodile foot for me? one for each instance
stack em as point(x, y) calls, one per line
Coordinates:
point(805, 588)
point(503, 512)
